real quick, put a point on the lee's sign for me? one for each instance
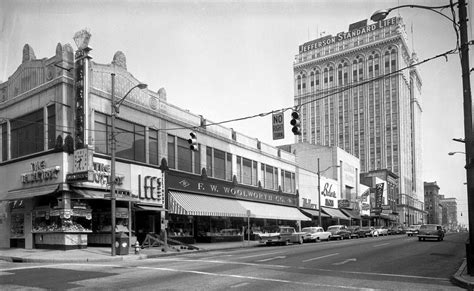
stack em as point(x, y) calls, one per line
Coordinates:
point(148, 185)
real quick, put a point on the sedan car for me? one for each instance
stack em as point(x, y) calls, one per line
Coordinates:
point(412, 230)
point(356, 232)
point(382, 230)
point(431, 231)
point(339, 232)
point(280, 235)
point(315, 233)
point(369, 231)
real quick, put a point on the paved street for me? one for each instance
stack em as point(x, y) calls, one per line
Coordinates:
point(392, 262)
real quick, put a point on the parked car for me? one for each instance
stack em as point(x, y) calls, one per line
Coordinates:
point(355, 231)
point(315, 233)
point(382, 230)
point(430, 231)
point(395, 229)
point(369, 231)
point(412, 230)
point(280, 235)
point(339, 232)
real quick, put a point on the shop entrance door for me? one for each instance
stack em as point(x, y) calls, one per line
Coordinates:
point(146, 222)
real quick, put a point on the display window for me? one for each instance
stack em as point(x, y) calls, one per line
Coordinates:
point(17, 225)
point(180, 226)
point(62, 220)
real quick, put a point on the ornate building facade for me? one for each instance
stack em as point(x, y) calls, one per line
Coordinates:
point(353, 92)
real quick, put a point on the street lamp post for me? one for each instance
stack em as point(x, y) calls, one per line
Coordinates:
point(319, 189)
point(115, 111)
point(467, 100)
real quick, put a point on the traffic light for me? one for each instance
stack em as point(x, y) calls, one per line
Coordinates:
point(296, 123)
point(193, 142)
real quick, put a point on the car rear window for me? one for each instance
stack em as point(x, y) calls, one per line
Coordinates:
point(428, 227)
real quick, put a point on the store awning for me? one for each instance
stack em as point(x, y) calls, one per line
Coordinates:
point(270, 211)
point(334, 213)
point(85, 193)
point(149, 207)
point(201, 205)
point(29, 192)
point(313, 212)
point(351, 213)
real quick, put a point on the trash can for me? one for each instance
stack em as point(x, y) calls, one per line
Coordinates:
point(121, 244)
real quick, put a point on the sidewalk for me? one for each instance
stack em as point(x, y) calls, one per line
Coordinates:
point(103, 254)
point(462, 278)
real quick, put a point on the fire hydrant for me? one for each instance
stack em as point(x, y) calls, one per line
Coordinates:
point(137, 248)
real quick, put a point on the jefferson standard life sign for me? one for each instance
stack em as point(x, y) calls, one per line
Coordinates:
point(278, 126)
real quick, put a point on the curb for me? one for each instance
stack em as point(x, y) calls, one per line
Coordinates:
point(458, 279)
point(130, 257)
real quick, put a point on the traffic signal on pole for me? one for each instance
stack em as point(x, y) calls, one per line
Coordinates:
point(296, 123)
point(193, 142)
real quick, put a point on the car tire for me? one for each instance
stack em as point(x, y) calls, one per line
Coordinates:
point(317, 240)
point(419, 239)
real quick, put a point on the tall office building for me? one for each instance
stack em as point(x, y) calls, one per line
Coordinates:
point(353, 92)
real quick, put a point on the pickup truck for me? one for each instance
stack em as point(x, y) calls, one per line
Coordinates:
point(280, 235)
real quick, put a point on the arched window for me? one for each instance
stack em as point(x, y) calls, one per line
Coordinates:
point(317, 76)
point(312, 80)
point(298, 82)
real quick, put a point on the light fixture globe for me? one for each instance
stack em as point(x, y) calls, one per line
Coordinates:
point(81, 38)
point(379, 15)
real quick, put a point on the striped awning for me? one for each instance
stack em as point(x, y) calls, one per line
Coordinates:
point(334, 213)
point(313, 212)
point(270, 211)
point(351, 213)
point(201, 205)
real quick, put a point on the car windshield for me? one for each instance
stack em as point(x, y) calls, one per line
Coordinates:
point(309, 230)
point(428, 227)
point(333, 228)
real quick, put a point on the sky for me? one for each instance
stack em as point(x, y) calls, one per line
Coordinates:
point(232, 59)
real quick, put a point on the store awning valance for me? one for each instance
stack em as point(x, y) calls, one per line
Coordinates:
point(334, 213)
point(29, 192)
point(86, 193)
point(149, 207)
point(313, 212)
point(201, 205)
point(270, 211)
point(351, 213)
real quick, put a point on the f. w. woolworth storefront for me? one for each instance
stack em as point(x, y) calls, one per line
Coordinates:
point(203, 209)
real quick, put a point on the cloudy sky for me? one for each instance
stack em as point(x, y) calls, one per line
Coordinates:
point(231, 59)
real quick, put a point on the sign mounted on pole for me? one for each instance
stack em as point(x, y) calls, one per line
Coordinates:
point(278, 125)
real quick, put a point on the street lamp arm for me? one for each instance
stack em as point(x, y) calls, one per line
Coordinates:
point(336, 166)
point(453, 153)
point(382, 14)
point(141, 86)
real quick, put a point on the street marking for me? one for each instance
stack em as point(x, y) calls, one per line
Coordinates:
point(346, 261)
point(239, 285)
point(381, 245)
point(256, 278)
point(320, 257)
point(274, 258)
point(259, 255)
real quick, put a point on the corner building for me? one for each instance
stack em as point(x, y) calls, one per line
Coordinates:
point(56, 166)
point(353, 94)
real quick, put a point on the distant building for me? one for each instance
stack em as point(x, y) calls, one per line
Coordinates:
point(450, 212)
point(432, 202)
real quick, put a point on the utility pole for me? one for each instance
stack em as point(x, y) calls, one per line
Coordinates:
point(468, 134)
point(319, 196)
